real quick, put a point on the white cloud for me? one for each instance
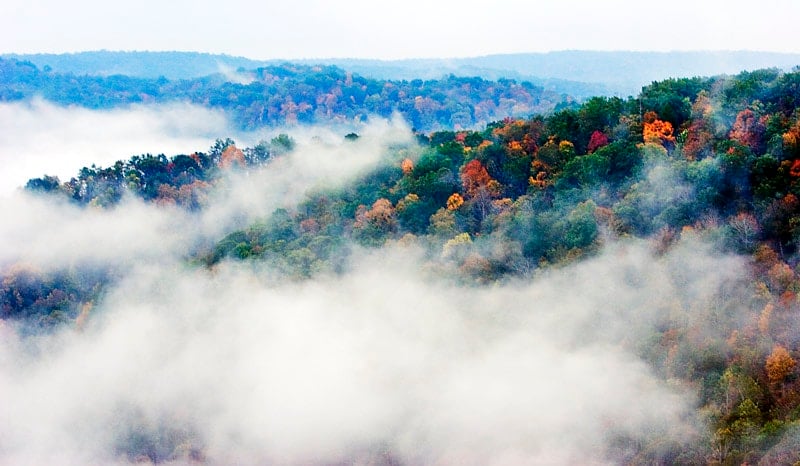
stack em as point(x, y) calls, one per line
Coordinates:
point(383, 359)
point(51, 233)
point(41, 138)
point(321, 159)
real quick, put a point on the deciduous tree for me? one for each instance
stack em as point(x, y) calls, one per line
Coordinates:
point(657, 131)
point(597, 140)
point(748, 129)
point(474, 177)
point(779, 364)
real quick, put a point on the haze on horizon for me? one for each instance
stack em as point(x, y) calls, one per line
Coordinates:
point(413, 29)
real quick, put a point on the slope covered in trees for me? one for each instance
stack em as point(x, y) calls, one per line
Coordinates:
point(579, 74)
point(151, 65)
point(290, 94)
point(713, 160)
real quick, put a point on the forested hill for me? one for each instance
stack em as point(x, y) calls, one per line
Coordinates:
point(731, 146)
point(577, 73)
point(696, 160)
point(171, 65)
point(290, 94)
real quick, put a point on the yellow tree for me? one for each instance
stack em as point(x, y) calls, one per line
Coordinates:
point(455, 202)
point(791, 140)
point(779, 364)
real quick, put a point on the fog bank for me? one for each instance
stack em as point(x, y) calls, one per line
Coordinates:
point(385, 359)
point(41, 138)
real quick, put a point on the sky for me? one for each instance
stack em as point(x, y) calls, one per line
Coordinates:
point(391, 30)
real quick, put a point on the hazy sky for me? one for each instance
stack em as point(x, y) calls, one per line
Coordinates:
point(411, 28)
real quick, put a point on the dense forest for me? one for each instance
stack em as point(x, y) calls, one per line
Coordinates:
point(290, 94)
point(714, 160)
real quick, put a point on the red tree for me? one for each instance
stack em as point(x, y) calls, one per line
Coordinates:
point(474, 177)
point(596, 141)
point(748, 129)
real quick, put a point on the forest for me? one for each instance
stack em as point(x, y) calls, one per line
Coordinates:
point(290, 94)
point(580, 74)
point(498, 186)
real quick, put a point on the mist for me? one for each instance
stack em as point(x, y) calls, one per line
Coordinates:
point(50, 233)
point(41, 138)
point(387, 363)
point(321, 160)
point(383, 359)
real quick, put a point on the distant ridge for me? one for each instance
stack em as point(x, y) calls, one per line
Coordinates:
point(171, 65)
point(577, 73)
point(618, 73)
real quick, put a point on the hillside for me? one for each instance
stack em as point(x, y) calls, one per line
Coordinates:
point(151, 65)
point(643, 251)
point(577, 72)
point(290, 94)
point(581, 74)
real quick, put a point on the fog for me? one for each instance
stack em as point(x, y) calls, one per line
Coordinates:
point(41, 138)
point(52, 233)
point(322, 159)
point(388, 363)
point(381, 359)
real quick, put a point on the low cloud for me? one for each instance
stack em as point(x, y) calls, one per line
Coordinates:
point(51, 233)
point(321, 160)
point(383, 362)
point(41, 138)
point(234, 76)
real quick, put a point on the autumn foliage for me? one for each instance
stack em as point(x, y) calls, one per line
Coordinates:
point(231, 156)
point(596, 141)
point(657, 131)
point(455, 202)
point(523, 195)
point(791, 139)
point(474, 178)
point(748, 130)
point(779, 364)
point(381, 215)
point(407, 166)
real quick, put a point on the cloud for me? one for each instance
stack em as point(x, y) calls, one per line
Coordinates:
point(380, 361)
point(321, 160)
point(41, 138)
point(51, 233)
point(234, 76)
